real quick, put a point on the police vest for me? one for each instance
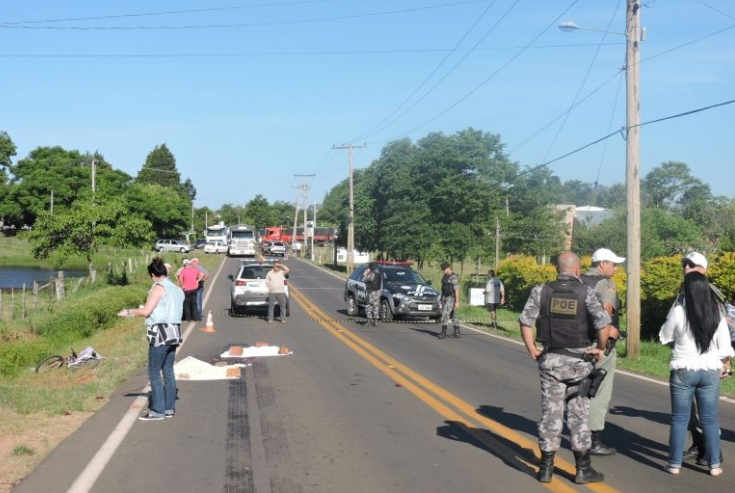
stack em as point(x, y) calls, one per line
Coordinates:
point(563, 321)
point(447, 287)
point(373, 284)
point(592, 281)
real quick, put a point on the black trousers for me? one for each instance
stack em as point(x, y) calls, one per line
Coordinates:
point(190, 306)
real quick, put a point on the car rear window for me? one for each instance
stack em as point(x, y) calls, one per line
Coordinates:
point(255, 272)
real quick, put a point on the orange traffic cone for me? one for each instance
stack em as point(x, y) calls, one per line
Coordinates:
point(210, 324)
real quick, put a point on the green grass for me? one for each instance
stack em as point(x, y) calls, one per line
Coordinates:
point(21, 450)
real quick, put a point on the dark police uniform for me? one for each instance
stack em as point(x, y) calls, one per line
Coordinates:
point(447, 301)
point(373, 285)
point(567, 314)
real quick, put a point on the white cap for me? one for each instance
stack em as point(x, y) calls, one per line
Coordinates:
point(605, 255)
point(185, 261)
point(696, 258)
point(194, 260)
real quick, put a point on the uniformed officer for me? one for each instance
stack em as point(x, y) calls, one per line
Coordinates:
point(373, 285)
point(604, 265)
point(567, 314)
point(449, 300)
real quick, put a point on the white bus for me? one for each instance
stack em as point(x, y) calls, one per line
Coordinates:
point(242, 240)
point(217, 232)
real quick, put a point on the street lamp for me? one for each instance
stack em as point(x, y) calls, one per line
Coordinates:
point(632, 161)
point(569, 26)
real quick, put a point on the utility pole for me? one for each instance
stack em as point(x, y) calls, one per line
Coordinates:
point(351, 220)
point(632, 176)
point(304, 187)
point(51, 209)
point(94, 173)
point(314, 231)
point(497, 242)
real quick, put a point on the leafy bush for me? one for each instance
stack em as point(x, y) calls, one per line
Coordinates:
point(660, 283)
point(20, 355)
point(721, 273)
point(520, 274)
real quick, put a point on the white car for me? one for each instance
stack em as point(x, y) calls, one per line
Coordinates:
point(248, 290)
point(171, 246)
point(215, 246)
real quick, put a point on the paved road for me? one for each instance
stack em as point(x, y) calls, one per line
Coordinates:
point(357, 409)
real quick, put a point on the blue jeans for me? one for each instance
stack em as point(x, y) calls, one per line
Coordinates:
point(200, 295)
point(704, 385)
point(163, 392)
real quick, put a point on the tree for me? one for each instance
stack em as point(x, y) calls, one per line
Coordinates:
point(7, 149)
point(168, 212)
point(83, 227)
point(160, 168)
point(259, 212)
point(231, 214)
point(45, 170)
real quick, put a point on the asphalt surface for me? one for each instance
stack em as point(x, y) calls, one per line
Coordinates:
point(360, 409)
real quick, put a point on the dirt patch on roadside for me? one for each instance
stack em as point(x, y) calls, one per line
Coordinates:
point(26, 439)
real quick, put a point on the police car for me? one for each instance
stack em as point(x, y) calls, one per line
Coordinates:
point(404, 293)
point(248, 290)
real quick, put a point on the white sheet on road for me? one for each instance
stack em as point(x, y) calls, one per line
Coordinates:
point(191, 368)
point(255, 352)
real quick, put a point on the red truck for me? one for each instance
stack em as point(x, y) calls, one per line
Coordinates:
point(279, 233)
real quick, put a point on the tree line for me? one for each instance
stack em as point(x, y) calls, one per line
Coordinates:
point(49, 192)
point(452, 196)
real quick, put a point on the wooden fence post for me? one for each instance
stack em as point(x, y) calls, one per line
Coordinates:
point(12, 303)
point(23, 309)
point(130, 265)
point(60, 286)
point(35, 295)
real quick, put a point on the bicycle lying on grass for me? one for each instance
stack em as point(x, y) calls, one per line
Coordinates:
point(87, 357)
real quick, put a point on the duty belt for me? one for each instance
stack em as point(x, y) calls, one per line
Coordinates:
point(566, 352)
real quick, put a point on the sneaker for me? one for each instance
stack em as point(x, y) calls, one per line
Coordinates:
point(150, 417)
point(270, 321)
point(283, 321)
point(168, 415)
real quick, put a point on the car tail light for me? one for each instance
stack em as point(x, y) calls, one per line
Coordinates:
point(240, 282)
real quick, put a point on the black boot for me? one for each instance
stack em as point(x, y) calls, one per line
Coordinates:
point(585, 473)
point(443, 332)
point(546, 471)
point(456, 333)
point(598, 446)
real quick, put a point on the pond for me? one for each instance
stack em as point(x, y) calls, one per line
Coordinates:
point(15, 276)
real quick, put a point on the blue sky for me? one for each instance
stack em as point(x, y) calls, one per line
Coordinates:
point(247, 94)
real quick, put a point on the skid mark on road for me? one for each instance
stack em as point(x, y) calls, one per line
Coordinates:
point(238, 472)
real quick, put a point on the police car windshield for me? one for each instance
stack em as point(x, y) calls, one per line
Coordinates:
point(402, 276)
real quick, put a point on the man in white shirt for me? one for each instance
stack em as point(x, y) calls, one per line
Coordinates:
point(494, 296)
point(275, 281)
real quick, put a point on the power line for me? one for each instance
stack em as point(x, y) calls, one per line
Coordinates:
point(296, 53)
point(491, 76)
point(671, 117)
point(164, 12)
point(716, 10)
point(581, 85)
point(609, 126)
point(246, 24)
point(431, 74)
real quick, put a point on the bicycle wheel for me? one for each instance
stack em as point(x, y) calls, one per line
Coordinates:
point(50, 363)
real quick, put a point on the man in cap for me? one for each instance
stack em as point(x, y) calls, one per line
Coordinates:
point(449, 300)
point(373, 285)
point(696, 262)
point(598, 277)
point(275, 281)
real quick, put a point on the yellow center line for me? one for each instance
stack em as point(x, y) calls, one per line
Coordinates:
point(423, 389)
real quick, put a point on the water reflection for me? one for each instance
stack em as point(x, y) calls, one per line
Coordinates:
point(15, 276)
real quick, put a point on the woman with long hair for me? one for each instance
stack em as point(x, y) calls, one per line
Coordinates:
point(162, 312)
point(701, 357)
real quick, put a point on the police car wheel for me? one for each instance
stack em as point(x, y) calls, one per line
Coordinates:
point(385, 314)
point(352, 309)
